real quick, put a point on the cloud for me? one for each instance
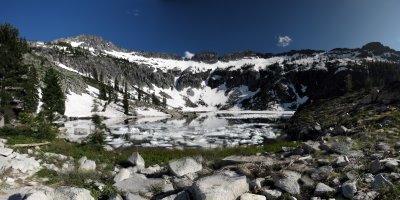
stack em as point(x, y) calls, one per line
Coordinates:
point(284, 41)
point(188, 55)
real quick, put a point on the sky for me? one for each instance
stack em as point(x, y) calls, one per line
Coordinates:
point(222, 26)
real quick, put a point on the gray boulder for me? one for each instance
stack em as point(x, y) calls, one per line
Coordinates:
point(184, 166)
point(87, 165)
point(271, 194)
point(323, 189)
point(288, 181)
point(139, 183)
point(122, 175)
point(321, 173)
point(392, 165)
point(137, 160)
point(349, 189)
point(341, 147)
point(381, 182)
point(226, 185)
point(375, 166)
point(72, 193)
point(249, 196)
point(5, 151)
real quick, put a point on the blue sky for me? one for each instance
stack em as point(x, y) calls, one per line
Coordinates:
point(222, 26)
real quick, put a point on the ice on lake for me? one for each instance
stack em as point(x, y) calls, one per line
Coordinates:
point(208, 130)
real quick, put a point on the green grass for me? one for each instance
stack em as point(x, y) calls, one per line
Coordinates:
point(157, 155)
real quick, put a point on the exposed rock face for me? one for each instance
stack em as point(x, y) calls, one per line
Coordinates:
point(87, 165)
point(323, 189)
point(184, 166)
point(72, 193)
point(224, 186)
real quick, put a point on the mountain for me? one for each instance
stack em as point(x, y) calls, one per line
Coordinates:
point(206, 82)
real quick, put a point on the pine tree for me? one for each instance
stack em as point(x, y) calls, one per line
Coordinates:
point(110, 92)
point(103, 88)
point(116, 84)
point(164, 102)
point(13, 73)
point(31, 98)
point(125, 101)
point(52, 95)
point(154, 99)
point(139, 95)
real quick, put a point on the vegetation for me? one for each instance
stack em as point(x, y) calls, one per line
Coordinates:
point(53, 96)
point(125, 101)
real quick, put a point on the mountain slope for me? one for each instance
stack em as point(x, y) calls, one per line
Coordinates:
point(207, 82)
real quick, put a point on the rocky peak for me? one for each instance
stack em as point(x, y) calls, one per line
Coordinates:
point(92, 41)
point(377, 48)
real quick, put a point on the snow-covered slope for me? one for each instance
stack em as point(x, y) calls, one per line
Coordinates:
point(206, 82)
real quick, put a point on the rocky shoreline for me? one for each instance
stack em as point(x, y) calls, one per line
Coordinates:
point(332, 167)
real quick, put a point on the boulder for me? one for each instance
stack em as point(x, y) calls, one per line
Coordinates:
point(25, 164)
point(349, 189)
point(38, 195)
point(271, 194)
point(137, 160)
point(307, 181)
point(288, 181)
point(72, 193)
point(139, 183)
point(180, 196)
point(381, 182)
point(392, 165)
point(131, 196)
point(382, 146)
point(342, 147)
point(321, 173)
point(86, 165)
point(323, 189)
point(249, 196)
point(311, 146)
point(225, 185)
point(341, 161)
point(375, 166)
point(5, 151)
point(122, 175)
point(184, 166)
point(151, 170)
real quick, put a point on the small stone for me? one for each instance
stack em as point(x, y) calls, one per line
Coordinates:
point(122, 175)
point(397, 145)
point(366, 196)
point(249, 196)
point(349, 189)
point(307, 181)
point(341, 148)
point(323, 189)
point(341, 161)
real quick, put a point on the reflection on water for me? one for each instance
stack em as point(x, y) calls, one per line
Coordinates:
point(219, 129)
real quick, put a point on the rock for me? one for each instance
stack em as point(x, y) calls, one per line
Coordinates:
point(392, 165)
point(383, 146)
point(368, 178)
point(311, 146)
point(184, 166)
point(248, 159)
point(25, 164)
point(226, 185)
point(349, 189)
point(38, 195)
point(271, 194)
point(340, 130)
point(87, 165)
point(287, 181)
point(257, 183)
point(180, 196)
point(151, 170)
point(131, 196)
point(249, 196)
point(6, 151)
point(366, 196)
point(323, 189)
point(307, 181)
point(116, 197)
point(72, 193)
point(397, 145)
point(139, 183)
point(122, 175)
point(381, 182)
point(342, 147)
point(321, 173)
point(137, 160)
point(341, 161)
point(375, 166)
point(181, 183)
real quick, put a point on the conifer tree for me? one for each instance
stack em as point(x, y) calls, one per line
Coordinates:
point(154, 99)
point(164, 102)
point(125, 101)
point(31, 97)
point(52, 95)
point(349, 83)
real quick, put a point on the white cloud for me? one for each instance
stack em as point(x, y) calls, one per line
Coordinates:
point(284, 41)
point(188, 55)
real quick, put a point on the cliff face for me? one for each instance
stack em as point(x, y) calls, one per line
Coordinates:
point(246, 80)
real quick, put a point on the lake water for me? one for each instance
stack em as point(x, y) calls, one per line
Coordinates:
point(209, 130)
